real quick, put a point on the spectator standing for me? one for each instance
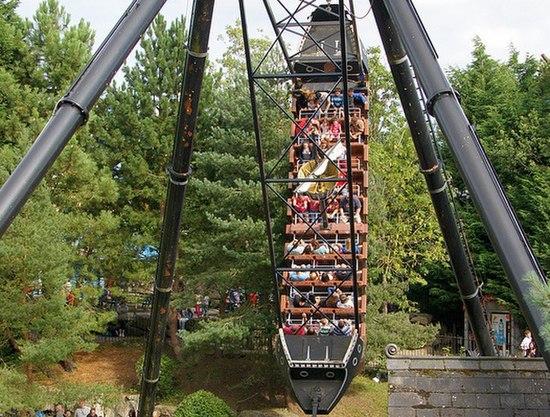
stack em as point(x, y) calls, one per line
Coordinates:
point(532, 349)
point(122, 312)
point(198, 303)
point(82, 410)
point(525, 344)
point(59, 412)
point(205, 305)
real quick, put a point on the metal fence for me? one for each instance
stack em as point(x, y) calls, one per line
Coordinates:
point(136, 328)
point(445, 345)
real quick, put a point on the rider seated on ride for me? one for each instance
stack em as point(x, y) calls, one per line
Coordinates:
point(332, 209)
point(296, 247)
point(337, 102)
point(343, 328)
point(344, 207)
point(307, 152)
point(325, 126)
point(326, 277)
point(335, 128)
point(325, 328)
point(357, 127)
point(342, 275)
point(299, 301)
point(345, 302)
point(308, 127)
point(298, 275)
point(357, 99)
point(333, 299)
point(300, 203)
point(346, 247)
point(324, 147)
point(313, 209)
point(313, 276)
point(314, 300)
point(318, 102)
point(311, 331)
point(299, 94)
point(297, 329)
point(318, 248)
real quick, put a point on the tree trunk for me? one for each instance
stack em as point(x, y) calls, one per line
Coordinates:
point(68, 365)
point(173, 332)
point(274, 365)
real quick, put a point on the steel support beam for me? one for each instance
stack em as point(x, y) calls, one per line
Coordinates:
point(497, 215)
point(430, 166)
point(178, 173)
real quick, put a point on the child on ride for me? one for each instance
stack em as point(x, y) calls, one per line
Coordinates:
point(335, 129)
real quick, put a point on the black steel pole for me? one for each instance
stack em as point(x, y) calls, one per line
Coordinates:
point(349, 176)
point(497, 215)
point(178, 173)
point(277, 31)
point(261, 159)
point(72, 110)
point(431, 168)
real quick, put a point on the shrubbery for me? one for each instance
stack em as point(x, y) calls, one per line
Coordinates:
point(203, 404)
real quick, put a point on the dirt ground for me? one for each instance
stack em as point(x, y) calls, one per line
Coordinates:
point(109, 363)
point(245, 382)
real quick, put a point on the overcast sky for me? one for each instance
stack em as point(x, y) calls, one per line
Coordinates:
point(451, 24)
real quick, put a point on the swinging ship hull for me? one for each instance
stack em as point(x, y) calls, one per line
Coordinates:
point(319, 368)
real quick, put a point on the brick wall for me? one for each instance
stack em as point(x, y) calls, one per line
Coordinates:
point(446, 386)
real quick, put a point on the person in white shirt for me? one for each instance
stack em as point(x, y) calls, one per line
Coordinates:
point(525, 344)
point(83, 410)
point(345, 302)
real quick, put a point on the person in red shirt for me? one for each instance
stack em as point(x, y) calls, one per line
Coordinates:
point(335, 129)
point(300, 203)
point(294, 329)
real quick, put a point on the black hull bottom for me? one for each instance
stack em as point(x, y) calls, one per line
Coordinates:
point(319, 368)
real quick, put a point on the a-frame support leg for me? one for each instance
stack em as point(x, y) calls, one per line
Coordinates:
point(431, 168)
point(507, 237)
point(178, 173)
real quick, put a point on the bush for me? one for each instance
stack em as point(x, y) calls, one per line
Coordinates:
point(167, 378)
point(203, 404)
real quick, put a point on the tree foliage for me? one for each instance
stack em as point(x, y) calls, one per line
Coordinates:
point(508, 102)
point(101, 203)
point(39, 327)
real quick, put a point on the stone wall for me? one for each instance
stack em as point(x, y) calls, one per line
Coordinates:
point(446, 386)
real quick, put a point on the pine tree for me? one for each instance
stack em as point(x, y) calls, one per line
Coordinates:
point(508, 104)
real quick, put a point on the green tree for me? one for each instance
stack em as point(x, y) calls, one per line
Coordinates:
point(404, 238)
point(508, 104)
point(39, 327)
point(59, 49)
